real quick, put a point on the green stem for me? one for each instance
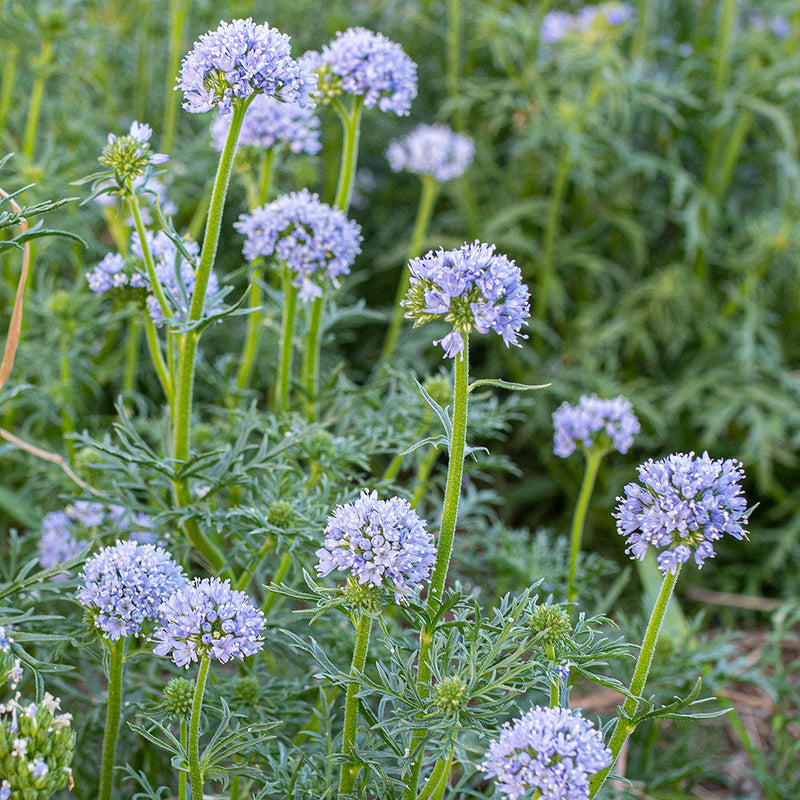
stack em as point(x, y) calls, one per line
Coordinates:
point(351, 125)
point(555, 687)
point(35, 107)
point(182, 773)
point(280, 574)
point(351, 767)
point(142, 58)
point(287, 336)
point(310, 367)
point(195, 773)
point(430, 188)
point(593, 459)
point(421, 480)
point(157, 357)
point(132, 339)
point(625, 726)
point(437, 781)
point(177, 20)
point(639, 44)
point(116, 651)
point(546, 270)
point(454, 56)
point(147, 254)
point(7, 82)
point(67, 407)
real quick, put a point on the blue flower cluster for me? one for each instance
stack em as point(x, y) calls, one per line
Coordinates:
point(683, 505)
point(551, 751)
point(777, 26)
point(175, 274)
point(381, 542)
point(271, 123)
point(315, 241)
point(472, 288)
point(558, 24)
point(65, 534)
point(125, 585)
point(367, 64)
point(208, 618)
point(432, 150)
point(594, 423)
point(237, 60)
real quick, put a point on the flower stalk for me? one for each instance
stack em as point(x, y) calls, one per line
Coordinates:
point(113, 711)
point(195, 771)
point(287, 335)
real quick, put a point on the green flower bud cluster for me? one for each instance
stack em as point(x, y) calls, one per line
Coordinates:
point(551, 624)
point(246, 690)
point(280, 514)
point(363, 597)
point(176, 699)
point(36, 746)
point(130, 155)
point(448, 694)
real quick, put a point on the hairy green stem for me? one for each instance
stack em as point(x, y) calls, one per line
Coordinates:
point(113, 711)
point(157, 357)
point(147, 254)
point(351, 767)
point(437, 781)
point(177, 21)
point(351, 127)
point(593, 459)
point(35, 106)
point(184, 733)
point(281, 399)
point(555, 687)
point(430, 189)
point(67, 406)
point(133, 337)
point(625, 726)
point(310, 367)
point(195, 773)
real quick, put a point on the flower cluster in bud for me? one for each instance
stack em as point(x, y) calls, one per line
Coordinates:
point(604, 424)
point(177, 697)
point(551, 624)
point(433, 150)
point(362, 597)
point(472, 288)
point(64, 535)
point(449, 694)
point(208, 618)
point(380, 542)
point(683, 505)
point(551, 751)
point(366, 64)
point(247, 690)
point(124, 586)
point(238, 60)
point(36, 746)
point(280, 514)
point(270, 123)
point(316, 242)
point(130, 155)
point(590, 22)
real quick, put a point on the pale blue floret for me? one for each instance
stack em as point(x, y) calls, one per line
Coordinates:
point(237, 60)
point(270, 123)
point(585, 424)
point(380, 542)
point(433, 150)
point(125, 586)
point(551, 752)
point(373, 67)
point(683, 505)
point(208, 618)
point(316, 242)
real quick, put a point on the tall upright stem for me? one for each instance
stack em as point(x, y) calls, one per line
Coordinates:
point(113, 711)
point(184, 734)
point(177, 20)
point(593, 459)
point(624, 726)
point(195, 773)
point(640, 36)
point(311, 354)
point(351, 767)
point(287, 335)
point(133, 338)
point(351, 127)
point(430, 189)
point(7, 81)
point(67, 406)
point(35, 106)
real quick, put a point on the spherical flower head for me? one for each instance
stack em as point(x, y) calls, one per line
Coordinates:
point(432, 150)
point(551, 624)
point(207, 618)
point(177, 697)
point(472, 288)
point(130, 155)
point(125, 585)
point(551, 751)
point(316, 242)
point(367, 64)
point(604, 424)
point(682, 506)
point(380, 542)
point(449, 694)
point(270, 123)
point(236, 61)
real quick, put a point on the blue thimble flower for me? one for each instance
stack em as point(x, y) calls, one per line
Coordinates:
point(472, 288)
point(270, 123)
point(594, 423)
point(130, 155)
point(315, 241)
point(125, 585)
point(550, 751)
point(380, 542)
point(682, 506)
point(208, 618)
point(237, 60)
point(433, 150)
point(592, 19)
point(367, 64)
